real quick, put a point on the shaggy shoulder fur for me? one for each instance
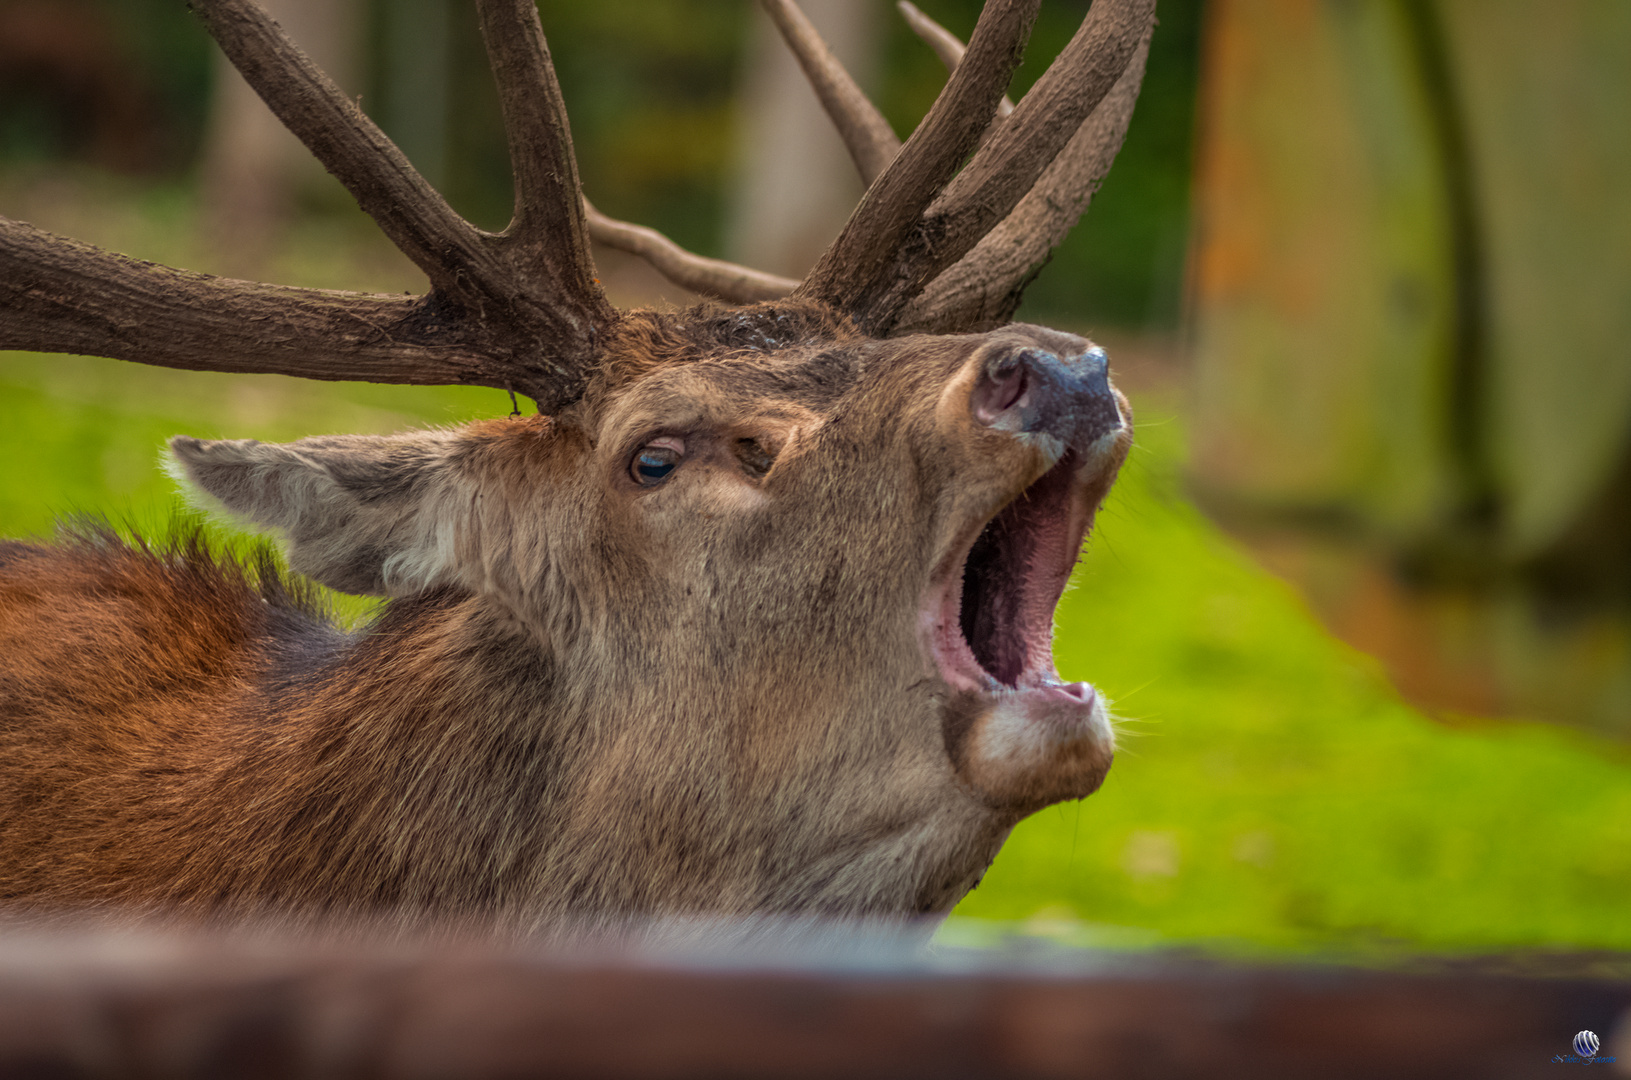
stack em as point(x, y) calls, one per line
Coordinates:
point(124, 661)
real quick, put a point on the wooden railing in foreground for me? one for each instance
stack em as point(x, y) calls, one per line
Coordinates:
point(150, 1004)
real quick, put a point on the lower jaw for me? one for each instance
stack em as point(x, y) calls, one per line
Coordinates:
point(1027, 748)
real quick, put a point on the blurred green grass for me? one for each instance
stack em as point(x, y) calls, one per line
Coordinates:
point(1272, 791)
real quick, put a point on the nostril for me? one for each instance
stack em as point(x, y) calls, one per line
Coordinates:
point(1002, 385)
point(1008, 384)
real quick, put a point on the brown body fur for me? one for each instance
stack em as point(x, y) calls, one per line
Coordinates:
point(585, 699)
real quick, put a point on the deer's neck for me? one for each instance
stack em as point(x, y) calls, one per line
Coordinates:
point(410, 769)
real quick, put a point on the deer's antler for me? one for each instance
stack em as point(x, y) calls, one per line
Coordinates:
point(919, 218)
point(61, 295)
point(519, 310)
point(550, 227)
point(983, 289)
point(935, 244)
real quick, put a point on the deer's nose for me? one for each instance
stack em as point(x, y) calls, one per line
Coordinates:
point(1032, 390)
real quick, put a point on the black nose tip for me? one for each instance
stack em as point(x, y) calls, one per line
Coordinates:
point(1093, 368)
point(1032, 390)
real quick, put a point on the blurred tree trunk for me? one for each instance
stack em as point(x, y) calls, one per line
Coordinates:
point(1412, 316)
point(796, 185)
point(416, 82)
point(252, 167)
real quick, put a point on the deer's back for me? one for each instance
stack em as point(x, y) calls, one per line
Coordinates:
point(125, 673)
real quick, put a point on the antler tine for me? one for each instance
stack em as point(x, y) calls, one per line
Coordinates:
point(549, 213)
point(861, 265)
point(982, 290)
point(536, 323)
point(712, 277)
point(417, 219)
point(1014, 158)
point(872, 143)
point(946, 45)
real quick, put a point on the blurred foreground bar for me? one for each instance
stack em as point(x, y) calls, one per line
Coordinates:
point(161, 1005)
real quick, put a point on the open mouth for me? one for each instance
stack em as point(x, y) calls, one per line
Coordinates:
point(990, 613)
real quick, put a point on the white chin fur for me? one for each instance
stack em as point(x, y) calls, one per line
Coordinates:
point(1037, 746)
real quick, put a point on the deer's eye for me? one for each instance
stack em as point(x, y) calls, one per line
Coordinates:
point(655, 461)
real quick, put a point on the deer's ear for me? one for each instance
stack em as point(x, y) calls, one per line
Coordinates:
point(376, 515)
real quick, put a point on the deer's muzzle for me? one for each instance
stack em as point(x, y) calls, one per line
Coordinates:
point(1015, 731)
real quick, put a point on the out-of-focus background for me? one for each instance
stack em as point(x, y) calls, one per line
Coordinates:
point(1363, 597)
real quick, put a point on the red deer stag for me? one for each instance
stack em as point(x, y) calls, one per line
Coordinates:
point(753, 618)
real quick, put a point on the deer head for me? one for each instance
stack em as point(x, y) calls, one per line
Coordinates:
point(772, 584)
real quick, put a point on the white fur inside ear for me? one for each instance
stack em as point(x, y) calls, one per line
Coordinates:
point(429, 560)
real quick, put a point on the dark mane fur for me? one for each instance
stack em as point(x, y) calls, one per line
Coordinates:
point(185, 558)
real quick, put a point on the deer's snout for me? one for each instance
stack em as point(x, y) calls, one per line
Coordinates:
point(1034, 391)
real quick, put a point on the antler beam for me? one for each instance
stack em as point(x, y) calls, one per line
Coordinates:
point(61, 295)
point(1039, 128)
point(554, 298)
